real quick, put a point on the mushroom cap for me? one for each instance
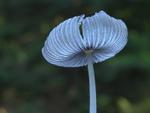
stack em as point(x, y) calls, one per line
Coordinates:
point(69, 42)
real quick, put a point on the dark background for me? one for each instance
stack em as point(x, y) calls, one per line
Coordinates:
point(28, 84)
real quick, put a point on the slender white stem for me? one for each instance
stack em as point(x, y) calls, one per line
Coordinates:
point(92, 86)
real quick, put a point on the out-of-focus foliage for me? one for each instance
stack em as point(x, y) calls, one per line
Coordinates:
point(28, 84)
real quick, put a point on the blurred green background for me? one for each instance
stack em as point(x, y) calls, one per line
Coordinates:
point(28, 84)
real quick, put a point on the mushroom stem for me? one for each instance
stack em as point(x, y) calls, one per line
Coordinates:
point(92, 86)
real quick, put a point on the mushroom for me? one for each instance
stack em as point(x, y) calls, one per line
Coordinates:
point(83, 41)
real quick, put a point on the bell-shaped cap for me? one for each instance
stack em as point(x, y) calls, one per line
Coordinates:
point(68, 43)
